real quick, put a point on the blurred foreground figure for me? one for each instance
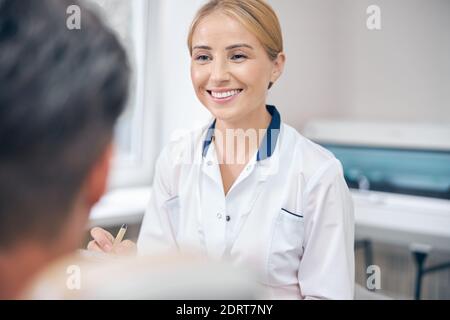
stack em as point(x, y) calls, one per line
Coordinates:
point(61, 92)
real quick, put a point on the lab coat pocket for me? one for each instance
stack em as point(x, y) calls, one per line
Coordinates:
point(173, 210)
point(286, 248)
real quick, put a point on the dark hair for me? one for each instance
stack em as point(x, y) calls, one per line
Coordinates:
point(61, 92)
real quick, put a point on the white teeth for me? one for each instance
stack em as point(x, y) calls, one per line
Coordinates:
point(222, 95)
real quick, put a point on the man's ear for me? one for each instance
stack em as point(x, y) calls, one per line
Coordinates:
point(278, 67)
point(98, 177)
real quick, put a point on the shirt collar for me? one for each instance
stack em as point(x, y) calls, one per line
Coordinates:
point(268, 143)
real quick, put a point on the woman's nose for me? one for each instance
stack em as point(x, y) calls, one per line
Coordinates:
point(219, 72)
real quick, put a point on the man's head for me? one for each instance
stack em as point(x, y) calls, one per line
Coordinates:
point(61, 92)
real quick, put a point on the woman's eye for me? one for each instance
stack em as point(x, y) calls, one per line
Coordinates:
point(238, 57)
point(202, 58)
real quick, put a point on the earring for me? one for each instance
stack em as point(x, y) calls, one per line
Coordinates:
point(270, 84)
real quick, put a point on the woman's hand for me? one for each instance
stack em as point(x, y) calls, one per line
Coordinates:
point(103, 242)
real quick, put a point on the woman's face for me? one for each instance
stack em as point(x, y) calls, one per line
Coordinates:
point(230, 69)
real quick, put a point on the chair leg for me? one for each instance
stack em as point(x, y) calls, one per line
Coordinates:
point(368, 253)
point(419, 258)
point(366, 246)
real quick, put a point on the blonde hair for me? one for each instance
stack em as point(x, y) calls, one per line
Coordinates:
point(256, 15)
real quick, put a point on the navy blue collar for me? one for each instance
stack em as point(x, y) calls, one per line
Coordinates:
point(268, 143)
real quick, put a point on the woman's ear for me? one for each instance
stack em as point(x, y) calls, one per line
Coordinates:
point(278, 68)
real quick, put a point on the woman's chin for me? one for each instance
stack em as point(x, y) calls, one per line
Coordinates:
point(224, 112)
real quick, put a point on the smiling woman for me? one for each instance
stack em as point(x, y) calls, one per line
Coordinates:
point(285, 212)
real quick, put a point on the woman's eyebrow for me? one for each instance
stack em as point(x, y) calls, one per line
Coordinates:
point(234, 46)
point(202, 47)
point(239, 45)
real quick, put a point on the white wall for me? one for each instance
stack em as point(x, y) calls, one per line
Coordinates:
point(336, 68)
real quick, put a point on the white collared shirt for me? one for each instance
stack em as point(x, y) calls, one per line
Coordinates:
point(288, 216)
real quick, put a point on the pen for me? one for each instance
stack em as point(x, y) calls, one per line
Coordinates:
point(120, 235)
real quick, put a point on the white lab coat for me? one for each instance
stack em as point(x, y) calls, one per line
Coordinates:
point(289, 215)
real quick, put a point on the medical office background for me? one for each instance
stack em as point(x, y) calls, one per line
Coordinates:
point(379, 99)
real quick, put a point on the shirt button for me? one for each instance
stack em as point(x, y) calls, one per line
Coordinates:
point(209, 163)
point(219, 216)
point(228, 218)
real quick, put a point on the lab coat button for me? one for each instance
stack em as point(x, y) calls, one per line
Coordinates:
point(209, 163)
point(219, 216)
point(228, 218)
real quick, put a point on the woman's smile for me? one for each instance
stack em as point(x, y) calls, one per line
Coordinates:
point(224, 95)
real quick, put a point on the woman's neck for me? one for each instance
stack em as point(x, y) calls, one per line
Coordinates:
point(236, 141)
point(258, 119)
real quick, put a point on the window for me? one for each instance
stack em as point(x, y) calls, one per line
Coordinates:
point(135, 150)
